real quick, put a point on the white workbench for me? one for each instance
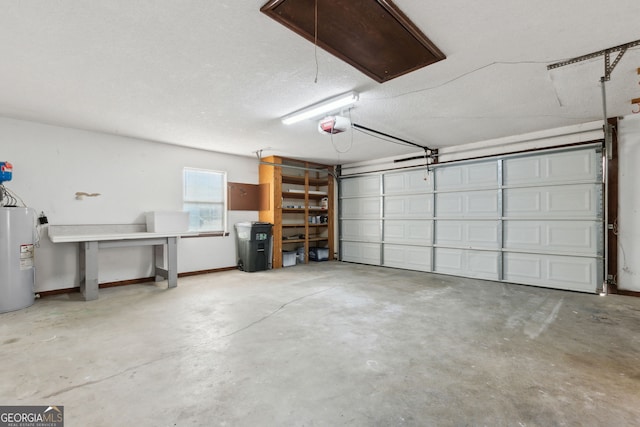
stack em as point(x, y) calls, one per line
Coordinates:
point(91, 238)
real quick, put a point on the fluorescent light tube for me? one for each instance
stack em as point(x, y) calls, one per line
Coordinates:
point(324, 107)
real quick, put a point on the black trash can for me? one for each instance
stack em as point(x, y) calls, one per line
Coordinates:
point(253, 243)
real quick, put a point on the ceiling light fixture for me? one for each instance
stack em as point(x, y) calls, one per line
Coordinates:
point(322, 108)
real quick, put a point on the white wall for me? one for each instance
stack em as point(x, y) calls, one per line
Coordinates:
point(629, 203)
point(133, 176)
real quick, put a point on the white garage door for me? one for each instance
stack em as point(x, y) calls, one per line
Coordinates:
point(531, 219)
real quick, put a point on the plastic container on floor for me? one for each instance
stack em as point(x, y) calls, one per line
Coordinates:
point(288, 259)
point(318, 254)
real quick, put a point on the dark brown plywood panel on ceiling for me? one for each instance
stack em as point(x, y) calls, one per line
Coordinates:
point(374, 36)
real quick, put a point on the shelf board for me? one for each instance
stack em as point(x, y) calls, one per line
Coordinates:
point(311, 239)
point(292, 195)
point(289, 179)
point(303, 225)
point(313, 192)
point(312, 209)
point(317, 196)
point(301, 195)
point(299, 180)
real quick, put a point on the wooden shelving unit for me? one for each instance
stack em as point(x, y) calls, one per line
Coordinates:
point(295, 192)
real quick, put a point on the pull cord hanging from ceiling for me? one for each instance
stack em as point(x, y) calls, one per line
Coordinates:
point(315, 41)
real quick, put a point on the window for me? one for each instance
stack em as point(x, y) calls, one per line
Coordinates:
point(205, 199)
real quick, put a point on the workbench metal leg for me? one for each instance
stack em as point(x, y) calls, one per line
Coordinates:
point(172, 261)
point(170, 249)
point(158, 263)
point(89, 270)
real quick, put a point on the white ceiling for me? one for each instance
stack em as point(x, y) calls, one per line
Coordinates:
point(218, 75)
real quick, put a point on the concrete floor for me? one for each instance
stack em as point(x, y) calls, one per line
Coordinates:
point(327, 344)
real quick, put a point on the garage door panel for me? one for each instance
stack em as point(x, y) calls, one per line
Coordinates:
point(522, 234)
point(366, 207)
point(482, 174)
point(552, 168)
point(483, 264)
point(483, 203)
point(567, 201)
point(451, 204)
point(365, 253)
point(449, 177)
point(480, 234)
point(571, 200)
point(474, 204)
point(576, 237)
point(449, 260)
point(572, 166)
point(554, 271)
point(450, 232)
point(522, 171)
point(519, 267)
point(571, 270)
point(523, 202)
point(471, 175)
point(483, 234)
point(409, 206)
point(409, 257)
point(407, 182)
point(467, 263)
point(408, 231)
point(364, 230)
point(360, 186)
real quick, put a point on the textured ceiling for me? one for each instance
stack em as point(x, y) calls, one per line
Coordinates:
point(218, 75)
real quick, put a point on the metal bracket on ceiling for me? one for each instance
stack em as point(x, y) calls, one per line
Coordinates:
point(608, 69)
point(608, 65)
